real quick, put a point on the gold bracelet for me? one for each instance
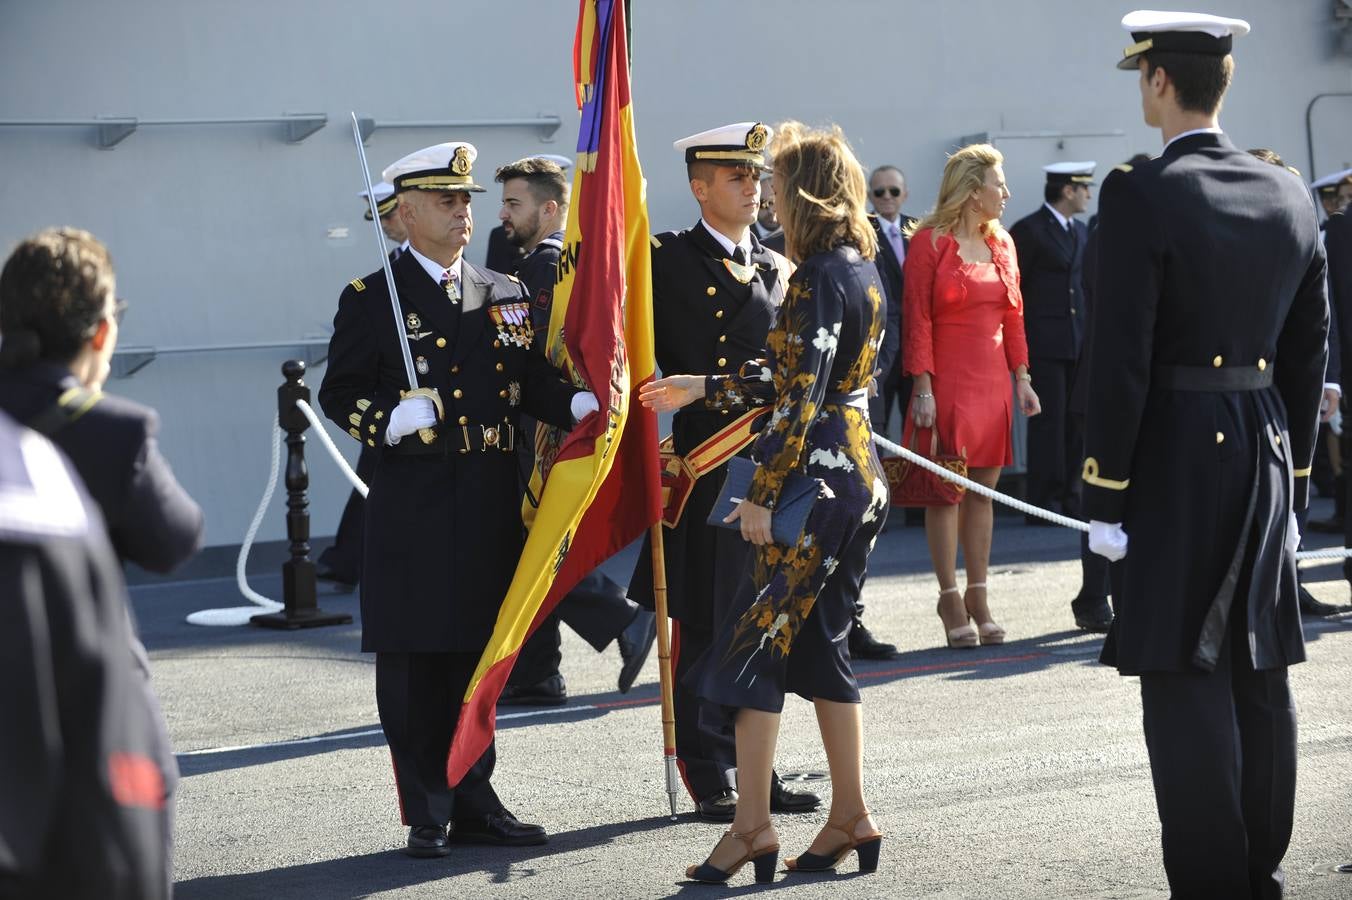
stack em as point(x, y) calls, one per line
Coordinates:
point(1026, 377)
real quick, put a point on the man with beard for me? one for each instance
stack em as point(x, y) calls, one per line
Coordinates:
point(715, 292)
point(534, 212)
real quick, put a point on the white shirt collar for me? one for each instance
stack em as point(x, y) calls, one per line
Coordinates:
point(892, 223)
point(726, 242)
point(435, 269)
point(1192, 132)
point(1065, 222)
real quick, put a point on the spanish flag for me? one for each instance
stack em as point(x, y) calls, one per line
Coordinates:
point(601, 487)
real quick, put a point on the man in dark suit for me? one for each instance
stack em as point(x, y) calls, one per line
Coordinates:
point(1050, 244)
point(86, 812)
point(443, 523)
point(1210, 324)
point(715, 293)
point(767, 223)
point(534, 212)
point(887, 193)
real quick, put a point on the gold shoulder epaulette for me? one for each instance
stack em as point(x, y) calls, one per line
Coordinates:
point(655, 241)
point(358, 285)
point(1124, 167)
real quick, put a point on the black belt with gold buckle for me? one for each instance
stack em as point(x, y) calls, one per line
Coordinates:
point(483, 438)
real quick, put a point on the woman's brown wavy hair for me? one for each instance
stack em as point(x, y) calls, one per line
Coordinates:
point(821, 192)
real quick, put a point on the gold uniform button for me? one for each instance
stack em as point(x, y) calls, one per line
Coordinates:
point(722, 338)
point(722, 361)
point(464, 420)
point(497, 344)
point(711, 290)
point(457, 393)
point(441, 342)
point(723, 411)
point(1262, 365)
point(503, 393)
point(1278, 439)
point(719, 314)
point(1220, 438)
point(455, 370)
point(499, 367)
point(1217, 362)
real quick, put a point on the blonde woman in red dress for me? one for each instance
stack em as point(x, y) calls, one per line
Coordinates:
point(964, 336)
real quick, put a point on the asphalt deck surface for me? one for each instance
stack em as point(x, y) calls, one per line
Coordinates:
point(1002, 772)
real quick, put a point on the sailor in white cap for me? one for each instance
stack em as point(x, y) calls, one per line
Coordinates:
point(1051, 242)
point(1334, 191)
point(715, 292)
point(386, 201)
point(1208, 349)
point(443, 524)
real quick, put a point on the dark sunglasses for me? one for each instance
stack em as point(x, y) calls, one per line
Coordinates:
point(882, 192)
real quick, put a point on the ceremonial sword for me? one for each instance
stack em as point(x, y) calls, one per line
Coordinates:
point(428, 435)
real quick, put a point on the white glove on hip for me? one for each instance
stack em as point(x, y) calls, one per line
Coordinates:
point(411, 414)
point(1107, 539)
point(583, 404)
point(1293, 534)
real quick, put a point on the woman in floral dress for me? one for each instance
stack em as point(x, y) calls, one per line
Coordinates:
point(789, 629)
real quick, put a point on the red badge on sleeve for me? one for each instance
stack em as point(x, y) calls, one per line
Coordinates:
point(136, 780)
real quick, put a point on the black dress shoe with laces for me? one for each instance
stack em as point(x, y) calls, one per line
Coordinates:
point(863, 645)
point(720, 807)
point(1309, 606)
point(500, 828)
point(549, 692)
point(425, 841)
point(1093, 614)
point(783, 800)
point(635, 642)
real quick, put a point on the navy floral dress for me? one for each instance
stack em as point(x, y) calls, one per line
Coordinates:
point(788, 628)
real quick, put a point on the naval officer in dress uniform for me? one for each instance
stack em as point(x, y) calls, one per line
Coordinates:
point(1051, 243)
point(715, 292)
point(1207, 368)
point(443, 521)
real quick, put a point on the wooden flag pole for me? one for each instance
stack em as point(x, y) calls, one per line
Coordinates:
point(664, 672)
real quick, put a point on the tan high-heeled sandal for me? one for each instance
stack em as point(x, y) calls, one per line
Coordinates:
point(989, 632)
point(964, 637)
point(762, 860)
point(867, 847)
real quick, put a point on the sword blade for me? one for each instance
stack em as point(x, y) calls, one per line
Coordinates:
point(401, 340)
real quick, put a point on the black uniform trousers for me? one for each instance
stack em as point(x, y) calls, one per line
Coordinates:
point(344, 557)
point(419, 696)
point(1222, 751)
point(706, 752)
point(597, 609)
point(1055, 438)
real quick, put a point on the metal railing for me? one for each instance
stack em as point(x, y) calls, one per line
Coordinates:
point(127, 361)
point(112, 130)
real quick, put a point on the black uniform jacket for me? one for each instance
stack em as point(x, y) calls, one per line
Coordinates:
point(443, 521)
point(150, 517)
point(82, 739)
point(1338, 245)
point(1050, 263)
point(538, 271)
point(890, 273)
point(705, 322)
point(1205, 376)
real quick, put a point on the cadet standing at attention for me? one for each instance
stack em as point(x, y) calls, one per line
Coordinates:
point(1206, 372)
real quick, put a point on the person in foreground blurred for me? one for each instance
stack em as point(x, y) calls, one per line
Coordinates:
point(963, 315)
point(794, 602)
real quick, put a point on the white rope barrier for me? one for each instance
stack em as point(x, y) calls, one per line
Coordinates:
point(240, 615)
point(1314, 557)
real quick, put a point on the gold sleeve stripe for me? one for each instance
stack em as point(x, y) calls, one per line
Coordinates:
point(362, 405)
point(1302, 473)
point(1091, 476)
point(354, 418)
point(355, 433)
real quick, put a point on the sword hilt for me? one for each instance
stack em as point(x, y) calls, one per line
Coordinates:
point(428, 435)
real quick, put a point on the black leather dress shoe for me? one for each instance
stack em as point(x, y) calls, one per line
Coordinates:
point(1331, 525)
point(1093, 614)
point(635, 642)
point(550, 692)
point(1309, 606)
point(783, 800)
point(500, 828)
point(427, 841)
point(863, 645)
point(720, 807)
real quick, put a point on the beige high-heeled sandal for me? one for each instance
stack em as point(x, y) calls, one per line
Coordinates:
point(964, 637)
point(989, 632)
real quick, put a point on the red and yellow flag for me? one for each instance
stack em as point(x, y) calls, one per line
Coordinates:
point(602, 491)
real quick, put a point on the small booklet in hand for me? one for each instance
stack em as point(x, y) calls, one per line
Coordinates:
point(787, 520)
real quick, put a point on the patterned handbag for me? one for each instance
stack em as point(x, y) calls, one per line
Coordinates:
point(914, 486)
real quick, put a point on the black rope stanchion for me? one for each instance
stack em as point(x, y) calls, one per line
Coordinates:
point(299, 596)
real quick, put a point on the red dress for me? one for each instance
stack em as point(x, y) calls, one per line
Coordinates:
point(964, 325)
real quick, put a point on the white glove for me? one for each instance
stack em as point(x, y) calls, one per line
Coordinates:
point(1293, 534)
point(411, 414)
point(1107, 539)
point(583, 403)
